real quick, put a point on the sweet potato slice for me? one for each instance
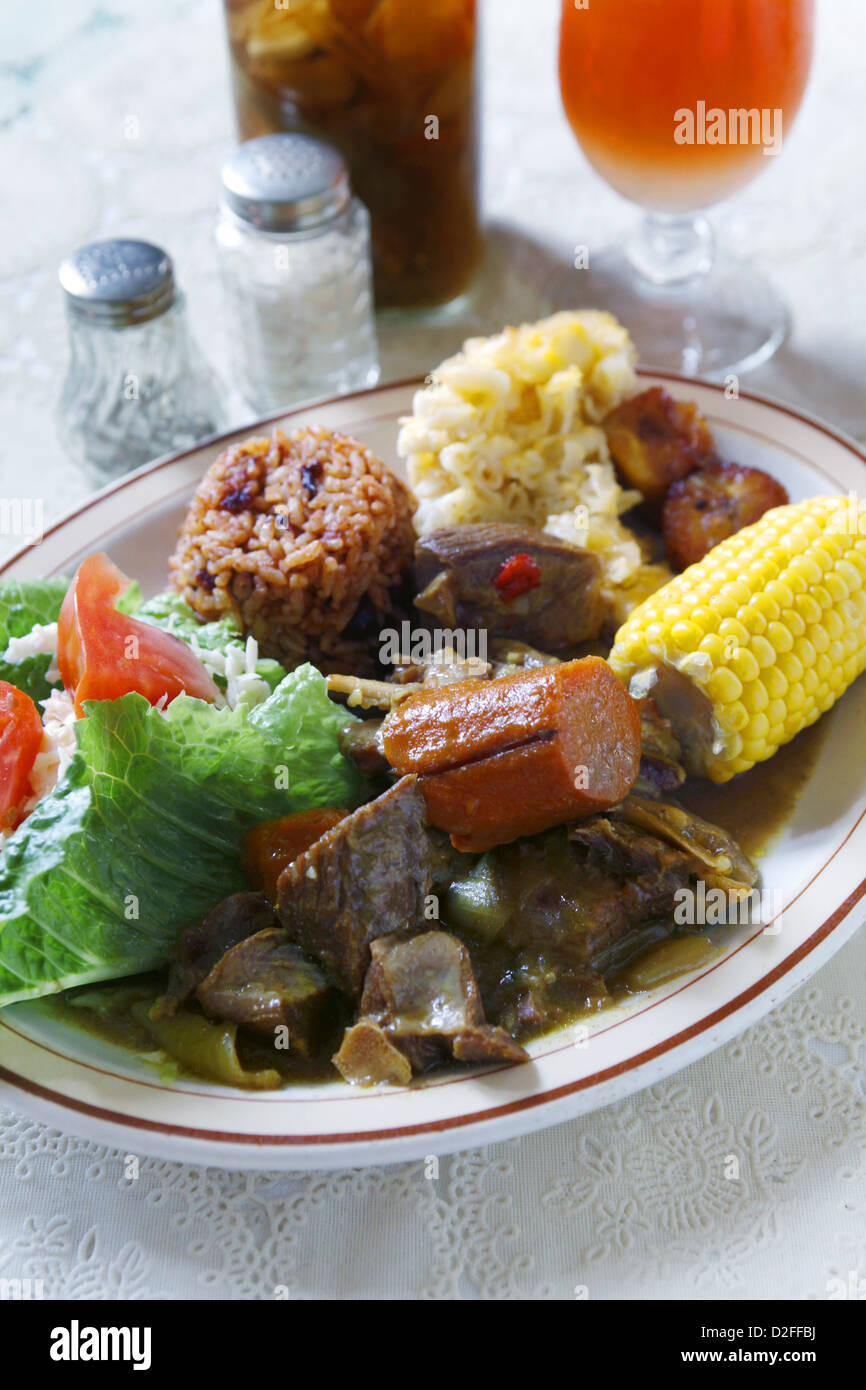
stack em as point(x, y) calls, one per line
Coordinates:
point(274, 844)
point(511, 757)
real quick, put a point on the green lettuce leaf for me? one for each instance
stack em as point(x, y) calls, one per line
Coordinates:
point(129, 601)
point(172, 613)
point(23, 604)
point(143, 834)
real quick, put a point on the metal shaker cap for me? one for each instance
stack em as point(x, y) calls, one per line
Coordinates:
point(118, 282)
point(286, 183)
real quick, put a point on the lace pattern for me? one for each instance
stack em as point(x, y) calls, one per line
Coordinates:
point(744, 1176)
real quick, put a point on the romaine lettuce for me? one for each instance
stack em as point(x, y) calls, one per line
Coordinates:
point(143, 834)
point(23, 604)
point(172, 613)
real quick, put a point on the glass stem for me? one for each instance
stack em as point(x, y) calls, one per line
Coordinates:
point(671, 250)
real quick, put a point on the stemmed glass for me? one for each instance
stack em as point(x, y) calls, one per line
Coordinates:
point(677, 104)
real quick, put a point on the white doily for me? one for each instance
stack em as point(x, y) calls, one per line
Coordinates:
point(742, 1177)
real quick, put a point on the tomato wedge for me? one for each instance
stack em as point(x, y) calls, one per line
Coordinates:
point(103, 654)
point(20, 741)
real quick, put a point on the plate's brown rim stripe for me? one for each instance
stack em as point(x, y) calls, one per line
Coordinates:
point(764, 438)
point(529, 1102)
point(215, 441)
point(492, 1071)
point(850, 445)
point(460, 1121)
point(848, 442)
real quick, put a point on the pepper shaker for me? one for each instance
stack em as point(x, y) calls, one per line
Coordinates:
point(294, 255)
point(137, 384)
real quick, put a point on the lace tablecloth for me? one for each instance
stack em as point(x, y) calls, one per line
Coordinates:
point(742, 1177)
point(745, 1175)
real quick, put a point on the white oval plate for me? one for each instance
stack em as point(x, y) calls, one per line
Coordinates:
point(79, 1083)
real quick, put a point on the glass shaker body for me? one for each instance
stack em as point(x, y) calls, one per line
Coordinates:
point(299, 309)
point(133, 394)
point(293, 248)
point(137, 385)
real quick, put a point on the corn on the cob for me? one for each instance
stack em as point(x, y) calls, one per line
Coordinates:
point(757, 640)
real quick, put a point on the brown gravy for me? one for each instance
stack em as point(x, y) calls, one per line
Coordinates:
point(114, 1022)
point(755, 806)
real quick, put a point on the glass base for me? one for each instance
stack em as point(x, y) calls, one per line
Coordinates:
point(726, 321)
point(520, 279)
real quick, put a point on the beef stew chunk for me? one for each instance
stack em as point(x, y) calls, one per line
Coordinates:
point(362, 741)
point(368, 1057)
point(548, 918)
point(265, 982)
point(573, 892)
point(616, 846)
point(421, 996)
point(661, 767)
point(200, 946)
point(511, 581)
point(368, 877)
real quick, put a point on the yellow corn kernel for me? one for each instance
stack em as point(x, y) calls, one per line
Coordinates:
point(769, 630)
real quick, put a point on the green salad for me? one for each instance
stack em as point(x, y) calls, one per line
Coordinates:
point(142, 831)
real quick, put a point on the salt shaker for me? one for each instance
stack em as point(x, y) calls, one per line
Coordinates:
point(294, 254)
point(137, 385)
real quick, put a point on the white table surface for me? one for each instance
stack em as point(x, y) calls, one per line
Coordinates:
point(629, 1202)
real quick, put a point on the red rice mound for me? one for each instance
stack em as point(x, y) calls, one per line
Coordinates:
point(289, 535)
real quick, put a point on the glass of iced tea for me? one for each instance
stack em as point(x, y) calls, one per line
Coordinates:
point(392, 84)
point(677, 104)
